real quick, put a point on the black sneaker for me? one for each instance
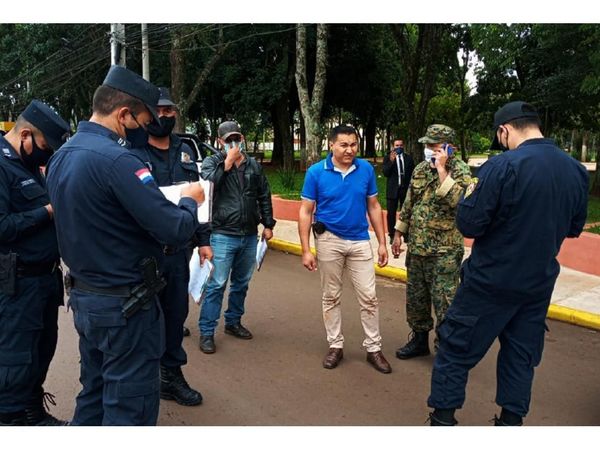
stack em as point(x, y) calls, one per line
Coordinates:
point(207, 344)
point(238, 330)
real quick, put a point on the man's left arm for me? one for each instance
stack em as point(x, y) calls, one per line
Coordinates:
point(580, 216)
point(375, 216)
point(265, 206)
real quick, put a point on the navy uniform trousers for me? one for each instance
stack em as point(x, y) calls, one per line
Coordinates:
point(472, 323)
point(115, 351)
point(174, 302)
point(28, 336)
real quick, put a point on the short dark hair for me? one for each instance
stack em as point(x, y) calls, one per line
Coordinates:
point(107, 99)
point(342, 129)
point(526, 122)
point(22, 122)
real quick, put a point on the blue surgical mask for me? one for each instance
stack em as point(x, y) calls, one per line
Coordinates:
point(230, 145)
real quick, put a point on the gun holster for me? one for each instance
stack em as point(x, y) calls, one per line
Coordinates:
point(8, 273)
point(142, 295)
point(319, 227)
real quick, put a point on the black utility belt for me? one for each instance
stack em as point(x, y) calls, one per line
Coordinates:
point(36, 269)
point(115, 291)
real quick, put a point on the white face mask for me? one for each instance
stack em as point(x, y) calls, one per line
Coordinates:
point(428, 154)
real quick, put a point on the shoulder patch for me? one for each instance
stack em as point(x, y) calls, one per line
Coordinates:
point(27, 182)
point(471, 187)
point(144, 175)
point(6, 151)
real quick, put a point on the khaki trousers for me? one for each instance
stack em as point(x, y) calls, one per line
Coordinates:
point(333, 255)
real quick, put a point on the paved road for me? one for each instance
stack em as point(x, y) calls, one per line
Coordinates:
point(277, 378)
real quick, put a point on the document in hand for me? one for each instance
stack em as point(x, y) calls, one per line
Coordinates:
point(173, 194)
point(261, 251)
point(199, 277)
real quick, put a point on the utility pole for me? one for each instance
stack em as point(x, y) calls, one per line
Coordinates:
point(117, 44)
point(145, 53)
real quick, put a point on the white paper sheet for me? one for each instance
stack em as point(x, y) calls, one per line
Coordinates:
point(261, 250)
point(199, 276)
point(173, 194)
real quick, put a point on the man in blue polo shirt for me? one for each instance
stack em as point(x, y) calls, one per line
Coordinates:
point(344, 191)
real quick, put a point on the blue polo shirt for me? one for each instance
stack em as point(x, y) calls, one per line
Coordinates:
point(341, 198)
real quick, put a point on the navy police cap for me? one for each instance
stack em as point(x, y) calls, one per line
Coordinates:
point(52, 126)
point(509, 112)
point(165, 97)
point(131, 83)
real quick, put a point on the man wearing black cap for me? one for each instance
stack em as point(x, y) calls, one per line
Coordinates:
point(526, 202)
point(242, 201)
point(112, 224)
point(30, 278)
point(172, 161)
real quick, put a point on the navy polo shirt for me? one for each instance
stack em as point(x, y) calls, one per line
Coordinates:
point(341, 198)
point(108, 210)
point(526, 202)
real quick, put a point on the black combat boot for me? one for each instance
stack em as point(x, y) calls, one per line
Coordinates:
point(508, 419)
point(36, 414)
point(417, 346)
point(442, 418)
point(12, 419)
point(174, 387)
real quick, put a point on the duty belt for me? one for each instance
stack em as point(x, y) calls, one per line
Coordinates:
point(116, 291)
point(36, 269)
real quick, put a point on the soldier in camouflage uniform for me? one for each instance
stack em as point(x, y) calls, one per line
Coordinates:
point(435, 247)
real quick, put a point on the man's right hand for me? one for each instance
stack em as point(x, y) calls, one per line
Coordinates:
point(233, 155)
point(193, 190)
point(393, 155)
point(396, 250)
point(309, 261)
point(50, 210)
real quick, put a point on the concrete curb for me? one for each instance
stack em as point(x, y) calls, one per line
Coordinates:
point(556, 312)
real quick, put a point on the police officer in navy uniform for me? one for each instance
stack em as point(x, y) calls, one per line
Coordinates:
point(526, 202)
point(112, 223)
point(30, 278)
point(172, 161)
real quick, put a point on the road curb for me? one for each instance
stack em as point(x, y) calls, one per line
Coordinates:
point(556, 312)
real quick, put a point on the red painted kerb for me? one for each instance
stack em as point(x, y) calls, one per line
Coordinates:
point(582, 254)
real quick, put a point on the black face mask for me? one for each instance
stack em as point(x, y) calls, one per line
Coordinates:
point(37, 157)
point(163, 128)
point(137, 137)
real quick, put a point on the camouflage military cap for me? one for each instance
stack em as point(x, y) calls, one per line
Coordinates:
point(437, 133)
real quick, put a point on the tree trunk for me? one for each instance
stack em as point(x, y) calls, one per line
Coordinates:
point(311, 107)
point(177, 79)
point(283, 150)
point(370, 133)
point(584, 145)
point(421, 63)
point(596, 181)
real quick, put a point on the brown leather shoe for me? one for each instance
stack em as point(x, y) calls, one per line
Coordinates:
point(333, 358)
point(377, 360)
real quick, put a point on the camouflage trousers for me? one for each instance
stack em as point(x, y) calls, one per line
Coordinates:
point(431, 280)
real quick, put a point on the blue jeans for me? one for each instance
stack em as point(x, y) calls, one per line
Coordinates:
point(235, 255)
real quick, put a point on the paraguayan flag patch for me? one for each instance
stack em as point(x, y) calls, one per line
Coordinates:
point(144, 175)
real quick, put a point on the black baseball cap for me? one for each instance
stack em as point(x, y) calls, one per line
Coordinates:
point(51, 125)
point(131, 83)
point(165, 98)
point(229, 128)
point(509, 112)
